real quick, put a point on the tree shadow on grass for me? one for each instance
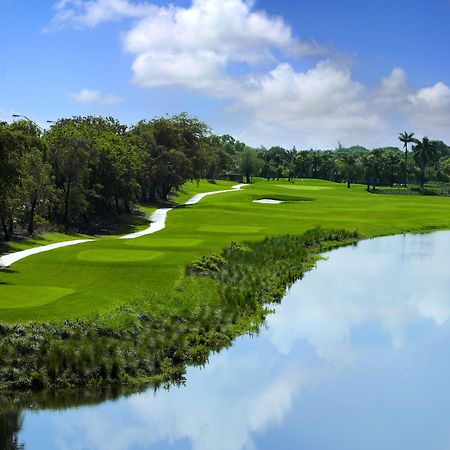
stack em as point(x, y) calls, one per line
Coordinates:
point(7, 270)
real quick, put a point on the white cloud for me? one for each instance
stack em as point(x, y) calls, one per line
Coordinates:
point(324, 99)
point(436, 97)
point(95, 96)
point(392, 90)
point(229, 49)
point(84, 13)
point(430, 110)
point(196, 47)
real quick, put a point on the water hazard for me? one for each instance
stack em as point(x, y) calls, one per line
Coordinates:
point(356, 357)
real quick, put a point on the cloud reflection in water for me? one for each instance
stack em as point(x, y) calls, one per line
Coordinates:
point(395, 286)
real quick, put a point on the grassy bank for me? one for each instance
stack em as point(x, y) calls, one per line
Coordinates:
point(120, 225)
point(153, 338)
point(124, 312)
point(77, 282)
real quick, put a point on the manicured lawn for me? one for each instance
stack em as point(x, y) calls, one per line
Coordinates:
point(123, 224)
point(95, 276)
point(40, 240)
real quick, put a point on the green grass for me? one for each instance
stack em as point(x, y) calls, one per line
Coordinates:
point(196, 187)
point(123, 225)
point(39, 240)
point(81, 280)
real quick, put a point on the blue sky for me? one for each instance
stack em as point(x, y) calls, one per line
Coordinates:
point(269, 72)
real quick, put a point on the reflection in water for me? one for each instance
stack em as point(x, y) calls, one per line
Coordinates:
point(10, 426)
point(356, 356)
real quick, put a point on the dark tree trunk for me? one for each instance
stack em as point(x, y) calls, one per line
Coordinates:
point(30, 228)
point(422, 176)
point(11, 226)
point(247, 179)
point(6, 234)
point(406, 166)
point(152, 195)
point(66, 208)
point(116, 201)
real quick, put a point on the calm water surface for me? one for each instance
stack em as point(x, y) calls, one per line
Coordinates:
point(356, 357)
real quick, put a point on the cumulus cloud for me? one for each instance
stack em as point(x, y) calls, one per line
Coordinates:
point(95, 96)
point(229, 49)
point(392, 89)
point(323, 98)
point(427, 109)
point(205, 41)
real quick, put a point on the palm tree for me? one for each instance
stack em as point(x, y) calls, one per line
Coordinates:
point(424, 152)
point(349, 160)
point(368, 162)
point(406, 138)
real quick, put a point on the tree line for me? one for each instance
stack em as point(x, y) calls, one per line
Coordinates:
point(87, 169)
point(387, 166)
point(84, 169)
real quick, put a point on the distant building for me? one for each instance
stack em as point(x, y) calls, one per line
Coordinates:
point(234, 176)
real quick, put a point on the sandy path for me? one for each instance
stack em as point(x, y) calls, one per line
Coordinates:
point(157, 223)
point(158, 218)
point(11, 258)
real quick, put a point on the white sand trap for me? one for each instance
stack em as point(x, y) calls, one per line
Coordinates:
point(157, 223)
point(268, 201)
point(11, 258)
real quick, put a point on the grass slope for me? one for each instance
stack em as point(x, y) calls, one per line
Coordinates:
point(81, 280)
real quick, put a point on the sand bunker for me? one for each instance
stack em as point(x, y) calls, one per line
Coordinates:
point(268, 201)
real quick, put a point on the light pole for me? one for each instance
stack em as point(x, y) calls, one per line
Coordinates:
point(32, 121)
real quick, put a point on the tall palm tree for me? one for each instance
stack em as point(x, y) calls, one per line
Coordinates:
point(368, 162)
point(406, 138)
point(424, 152)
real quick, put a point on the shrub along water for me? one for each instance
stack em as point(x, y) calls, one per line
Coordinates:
point(219, 298)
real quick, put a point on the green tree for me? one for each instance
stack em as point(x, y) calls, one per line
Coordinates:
point(10, 173)
point(349, 161)
point(316, 160)
point(302, 163)
point(69, 155)
point(171, 152)
point(368, 162)
point(37, 184)
point(406, 138)
point(424, 152)
point(248, 163)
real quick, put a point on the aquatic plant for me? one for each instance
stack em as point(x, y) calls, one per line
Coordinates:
point(222, 297)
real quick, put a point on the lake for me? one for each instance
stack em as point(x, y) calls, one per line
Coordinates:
point(357, 356)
